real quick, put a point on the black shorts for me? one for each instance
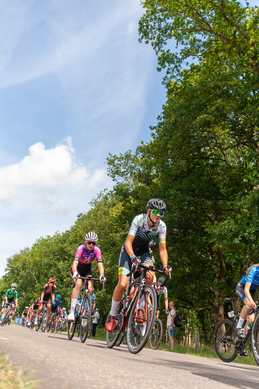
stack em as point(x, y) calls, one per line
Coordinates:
point(10, 301)
point(47, 297)
point(82, 270)
point(35, 307)
point(240, 291)
point(54, 309)
point(125, 261)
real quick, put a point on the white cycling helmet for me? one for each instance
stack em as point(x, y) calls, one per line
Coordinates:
point(63, 309)
point(91, 237)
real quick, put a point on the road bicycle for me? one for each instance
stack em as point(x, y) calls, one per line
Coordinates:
point(43, 318)
point(226, 342)
point(136, 312)
point(83, 319)
point(6, 318)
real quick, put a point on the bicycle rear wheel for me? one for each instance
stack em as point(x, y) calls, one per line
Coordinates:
point(225, 340)
point(71, 326)
point(85, 317)
point(139, 327)
point(255, 339)
point(156, 334)
point(112, 337)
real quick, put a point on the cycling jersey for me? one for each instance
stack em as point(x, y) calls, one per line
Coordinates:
point(47, 289)
point(57, 303)
point(252, 278)
point(85, 257)
point(162, 291)
point(12, 295)
point(25, 312)
point(143, 234)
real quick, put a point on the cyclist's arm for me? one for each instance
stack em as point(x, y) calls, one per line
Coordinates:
point(100, 267)
point(166, 302)
point(163, 253)
point(128, 245)
point(248, 295)
point(42, 296)
point(74, 265)
point(53, 298)
point(16, 303)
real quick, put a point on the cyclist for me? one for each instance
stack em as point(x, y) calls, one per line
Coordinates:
point(245, 290)
point(11, 297)
point(25, 314)
point(143, 229)
point(159, 291)
point(48, 295)
point(82, 266)
point(55, 307)
point(33, 308)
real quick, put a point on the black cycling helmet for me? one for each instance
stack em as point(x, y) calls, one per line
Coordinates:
point(161, 280)
point(156, 204)
point(152, 245)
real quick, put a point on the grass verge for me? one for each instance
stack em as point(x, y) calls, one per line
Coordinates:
point(11, 379)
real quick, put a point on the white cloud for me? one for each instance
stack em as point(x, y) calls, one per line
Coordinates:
point(47, 177)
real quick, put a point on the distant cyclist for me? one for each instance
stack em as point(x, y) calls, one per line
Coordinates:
point(48, 295)
point(55, 306)
point(161, 289)
point(25, 314)
point(11, 298)
point(143, 229)
point(33, 308)
point(82, 266)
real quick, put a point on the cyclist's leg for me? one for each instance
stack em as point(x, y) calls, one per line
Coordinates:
point(245, 310)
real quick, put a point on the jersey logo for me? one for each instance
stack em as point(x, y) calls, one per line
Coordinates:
point(147, 235)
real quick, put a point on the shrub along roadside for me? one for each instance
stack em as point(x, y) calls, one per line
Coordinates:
point(11, 379)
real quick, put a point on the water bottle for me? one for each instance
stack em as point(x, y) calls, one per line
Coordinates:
point(248, 328)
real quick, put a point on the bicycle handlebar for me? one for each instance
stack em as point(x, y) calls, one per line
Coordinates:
point(147, 268)
point(90, 278)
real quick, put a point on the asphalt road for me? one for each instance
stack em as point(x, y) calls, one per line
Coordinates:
point(60, 363)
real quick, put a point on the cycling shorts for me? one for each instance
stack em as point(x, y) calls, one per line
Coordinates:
point(35, 307)
point(47, 297)
point(54, 309)
point(82, 270)
point(240, 291)
point(125, 261)
point(10, 300)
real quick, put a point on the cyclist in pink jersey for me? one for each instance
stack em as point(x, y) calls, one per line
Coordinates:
point(82, 266)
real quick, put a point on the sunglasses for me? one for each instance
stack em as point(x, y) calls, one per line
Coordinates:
point(157, 213)
point(93, 243)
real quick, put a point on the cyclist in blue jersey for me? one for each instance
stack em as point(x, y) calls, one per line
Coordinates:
point(143, 229)
point(55, 306)
point(245, 290)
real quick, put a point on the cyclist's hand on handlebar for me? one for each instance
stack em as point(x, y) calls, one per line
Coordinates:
point(75, 275)
point(167, 269)
point(166, 311)
point(134, 259)
point(102, 278)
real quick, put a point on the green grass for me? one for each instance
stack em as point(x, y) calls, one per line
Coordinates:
point(11, 379)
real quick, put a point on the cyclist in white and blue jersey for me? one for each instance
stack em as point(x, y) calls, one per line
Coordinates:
point(245, 290)
point(144, 228)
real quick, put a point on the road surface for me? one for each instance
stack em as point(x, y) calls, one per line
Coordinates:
point(63, 364)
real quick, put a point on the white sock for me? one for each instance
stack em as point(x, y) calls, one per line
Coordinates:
point(240, 322)
point(36, 317)
point(114, 307)
point(73, 305)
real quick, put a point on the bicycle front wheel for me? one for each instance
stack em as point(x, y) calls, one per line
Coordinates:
point(44, 321)
point(156, 334)
point(85, 317)
point(255, 339)
point(139, 325)
point(225, 340)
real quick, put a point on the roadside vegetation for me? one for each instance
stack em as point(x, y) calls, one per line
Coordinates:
point(13, 379)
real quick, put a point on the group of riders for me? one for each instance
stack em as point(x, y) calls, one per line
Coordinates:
point(137, 248)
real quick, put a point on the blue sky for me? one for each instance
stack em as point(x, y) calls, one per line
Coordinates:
point(75, 84)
